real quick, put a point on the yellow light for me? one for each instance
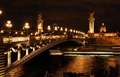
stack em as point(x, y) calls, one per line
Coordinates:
point(31, 34)
point(71, 30)
point(74, 31)
point(26, 26)
point(2, 31)
point(22, 33)
point(64, 33)
point(49, 28)
point(16, 32)
point(61, 29)
point(66, 29)
point(8, 24)
point(56, 28)
point(0, 11)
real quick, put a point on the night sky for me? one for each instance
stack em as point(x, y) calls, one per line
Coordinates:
point(67, 13)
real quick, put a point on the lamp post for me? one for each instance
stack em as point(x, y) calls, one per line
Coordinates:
point(61, 29)
point(26, 26)
point(9, 25)
point(55, 29)
point(49, 28)
point(66, 29)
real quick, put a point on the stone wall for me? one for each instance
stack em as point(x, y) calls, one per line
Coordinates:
point(105, 41)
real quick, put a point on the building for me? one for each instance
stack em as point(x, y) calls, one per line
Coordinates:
point(103, 28)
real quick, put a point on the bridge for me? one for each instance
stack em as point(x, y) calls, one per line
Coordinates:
point(27, 48)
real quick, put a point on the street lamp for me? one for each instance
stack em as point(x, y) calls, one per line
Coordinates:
point(49, 28)
point(26, 26)
point(9, 25)
point(66, 29)
point(61, 29)
point(56, 28)
point(71, 30)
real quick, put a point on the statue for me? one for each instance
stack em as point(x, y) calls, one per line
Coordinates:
point(40, 16)
point(91, 14)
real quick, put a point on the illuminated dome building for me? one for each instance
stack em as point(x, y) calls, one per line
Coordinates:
point(103, 28)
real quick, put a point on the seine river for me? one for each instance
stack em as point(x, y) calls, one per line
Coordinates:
point(46, 65)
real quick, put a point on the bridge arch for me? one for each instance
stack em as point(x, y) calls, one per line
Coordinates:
point(38, 51)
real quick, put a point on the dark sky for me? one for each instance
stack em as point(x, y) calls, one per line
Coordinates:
point(67, 13)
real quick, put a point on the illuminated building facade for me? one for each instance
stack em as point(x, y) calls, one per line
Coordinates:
point(40, 23)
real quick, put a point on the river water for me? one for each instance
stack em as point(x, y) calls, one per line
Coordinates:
point(45, 65)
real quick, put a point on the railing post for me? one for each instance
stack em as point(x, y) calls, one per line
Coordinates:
point(33, 48)
point(19, 55)
point(9, 58)
point(27, 51)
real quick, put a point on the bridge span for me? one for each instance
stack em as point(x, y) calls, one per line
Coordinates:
point(37, 48)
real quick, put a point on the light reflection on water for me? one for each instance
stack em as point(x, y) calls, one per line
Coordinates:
point(97, 65)
point(56, 65)
point(17, 72)
point(81, 64)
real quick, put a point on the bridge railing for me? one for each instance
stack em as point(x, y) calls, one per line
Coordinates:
point(11, 39)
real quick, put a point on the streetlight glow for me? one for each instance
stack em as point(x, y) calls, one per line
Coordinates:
point(49, 28)
point(26, 26)
point(71, 30)
point(0, 11)
point(56, 28)
point(8, 24)
point(66, 29)
point(61, 29)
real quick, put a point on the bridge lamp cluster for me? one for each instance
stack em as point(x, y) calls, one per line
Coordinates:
point(9, 24)
point(26, 26)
